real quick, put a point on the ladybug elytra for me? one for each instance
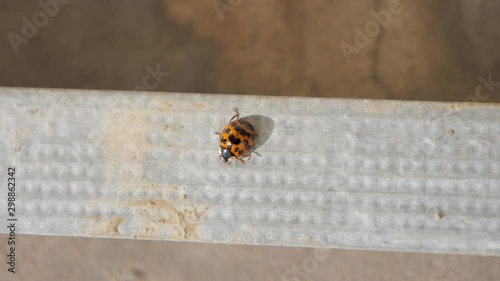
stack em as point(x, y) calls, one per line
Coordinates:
point(236, 139)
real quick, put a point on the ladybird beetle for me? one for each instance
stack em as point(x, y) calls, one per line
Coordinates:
point(236, 139)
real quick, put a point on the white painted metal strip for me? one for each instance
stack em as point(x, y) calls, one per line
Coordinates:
point(362, 174)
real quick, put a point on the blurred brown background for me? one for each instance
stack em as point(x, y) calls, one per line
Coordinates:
point(428, 50)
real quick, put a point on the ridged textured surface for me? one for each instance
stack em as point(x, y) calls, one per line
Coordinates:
point(362, 174)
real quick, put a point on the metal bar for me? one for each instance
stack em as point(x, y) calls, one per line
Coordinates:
point(336, 173)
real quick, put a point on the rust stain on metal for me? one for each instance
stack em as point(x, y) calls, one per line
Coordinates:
point(173, 127)
point(18, 140)
point(125, 146)
point(33, 111)
point(161, 213)
point(128, 139)
point(310, 241)
point(438, 215)
point(165, 105)
point(375, 107)
point(454, 106)
point(460, 105)
point(239, 239)
point(154, 186)
point(199, 105)
point(106, 226)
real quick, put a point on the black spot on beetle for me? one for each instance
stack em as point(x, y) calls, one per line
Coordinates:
point(228, 130)
point(241, 131)
point(246, 124)
point(234, 140)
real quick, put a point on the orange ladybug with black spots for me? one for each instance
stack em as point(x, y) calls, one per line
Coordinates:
point(236, 140)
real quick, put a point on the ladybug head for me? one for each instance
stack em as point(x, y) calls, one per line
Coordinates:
point(225, 154)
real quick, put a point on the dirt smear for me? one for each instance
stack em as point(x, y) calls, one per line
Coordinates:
point(157, 214)
point(106, 226)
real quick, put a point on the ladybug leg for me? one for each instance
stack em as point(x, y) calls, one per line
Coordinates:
point(234, 158)
point(217, 133)
point(236, 115)
point(258, 154)
point(240, 159)
point(248, 157)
